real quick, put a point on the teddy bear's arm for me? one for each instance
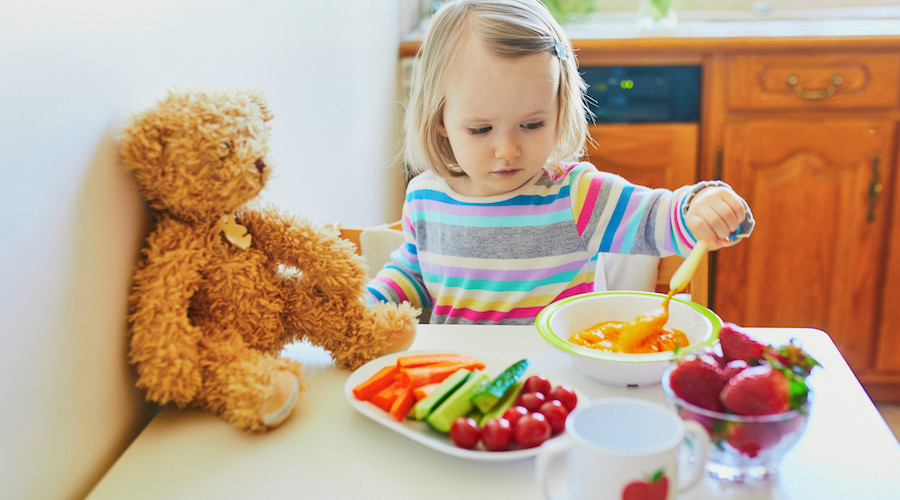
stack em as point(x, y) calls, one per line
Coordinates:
point(164, 343)
point(324, 302)
point(327, 262)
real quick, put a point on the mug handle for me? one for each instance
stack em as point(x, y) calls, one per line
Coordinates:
point(548, 454)
point(699, 453)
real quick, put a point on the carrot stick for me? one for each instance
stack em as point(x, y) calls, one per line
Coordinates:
point(429, 374)
point(386, 397)
point(382, 378)
point(414, 360)
point(403, 403)
point(423, 391)
point(396, 388)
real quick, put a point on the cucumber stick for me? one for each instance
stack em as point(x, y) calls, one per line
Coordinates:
point(458, 403)
point(485, 399)
point(508, 399)
point(430, 402)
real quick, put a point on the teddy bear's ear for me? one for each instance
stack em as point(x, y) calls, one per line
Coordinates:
point(141, 143)
point(259, 98)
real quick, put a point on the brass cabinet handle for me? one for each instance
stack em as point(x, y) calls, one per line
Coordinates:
point(875, 188)
point(815, 95)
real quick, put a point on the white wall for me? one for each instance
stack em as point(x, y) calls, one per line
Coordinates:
point(71, 223)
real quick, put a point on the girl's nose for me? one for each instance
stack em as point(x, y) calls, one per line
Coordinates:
point(507, 148)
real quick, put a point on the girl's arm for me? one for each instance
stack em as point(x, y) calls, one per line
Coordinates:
point(617, 216)
point(400, 280)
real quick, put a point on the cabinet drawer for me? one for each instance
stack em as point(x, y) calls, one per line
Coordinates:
point(827, 81)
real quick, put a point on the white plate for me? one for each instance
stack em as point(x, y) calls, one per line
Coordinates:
point(420, 431)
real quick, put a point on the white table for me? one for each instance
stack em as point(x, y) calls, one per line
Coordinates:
point(327, 450)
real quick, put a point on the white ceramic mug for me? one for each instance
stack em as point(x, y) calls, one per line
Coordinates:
point(626, 449)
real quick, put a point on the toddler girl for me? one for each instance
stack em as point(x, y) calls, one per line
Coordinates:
point(501, 222)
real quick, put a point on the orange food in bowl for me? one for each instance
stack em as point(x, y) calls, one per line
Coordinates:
point(605, 336)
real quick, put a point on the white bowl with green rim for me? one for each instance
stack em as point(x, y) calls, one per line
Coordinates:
point(561, 319)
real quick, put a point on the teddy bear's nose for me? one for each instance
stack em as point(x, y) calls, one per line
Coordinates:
point(260, 165)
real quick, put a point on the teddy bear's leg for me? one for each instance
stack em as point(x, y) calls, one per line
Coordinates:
point(254, 391)
point(278, 407)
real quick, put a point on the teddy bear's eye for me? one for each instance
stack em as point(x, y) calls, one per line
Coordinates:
point(224, 150)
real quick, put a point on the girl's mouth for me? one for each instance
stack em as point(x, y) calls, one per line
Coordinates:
point(507, 173)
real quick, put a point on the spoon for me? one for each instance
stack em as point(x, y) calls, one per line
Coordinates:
point(645, 325)
point(682, 276)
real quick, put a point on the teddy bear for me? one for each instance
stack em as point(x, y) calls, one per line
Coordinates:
point(223, 282)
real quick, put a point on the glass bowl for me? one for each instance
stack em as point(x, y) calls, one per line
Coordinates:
point(744, 447)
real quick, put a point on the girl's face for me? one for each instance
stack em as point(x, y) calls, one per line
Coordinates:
point(500, 118)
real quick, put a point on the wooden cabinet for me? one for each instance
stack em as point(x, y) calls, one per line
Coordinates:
point(655, 155)
point(810, 141)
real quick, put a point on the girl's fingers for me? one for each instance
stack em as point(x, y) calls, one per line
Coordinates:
point(714, 215)
point(738, 212)
point(701, 229)
point(726, 206)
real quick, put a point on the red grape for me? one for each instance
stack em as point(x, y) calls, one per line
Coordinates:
point(537, 383)
point(556, 414)
point(496, 434)
point(532, 430)
point(514, 413)
point(565, 395)
point(464, 432)
point(532, 400)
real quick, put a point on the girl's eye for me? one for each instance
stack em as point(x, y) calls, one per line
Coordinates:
point(533, 126)
point(479, 131)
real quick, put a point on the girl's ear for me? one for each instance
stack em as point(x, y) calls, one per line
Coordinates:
point(441, 128)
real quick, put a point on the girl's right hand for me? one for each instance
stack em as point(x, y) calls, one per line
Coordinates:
point(714, 214)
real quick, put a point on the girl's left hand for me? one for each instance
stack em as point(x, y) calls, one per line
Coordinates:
point(715, 213)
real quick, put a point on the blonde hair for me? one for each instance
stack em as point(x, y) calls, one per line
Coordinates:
point(509, 28)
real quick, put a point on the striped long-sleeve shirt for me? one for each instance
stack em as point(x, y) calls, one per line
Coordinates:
point(501, 259)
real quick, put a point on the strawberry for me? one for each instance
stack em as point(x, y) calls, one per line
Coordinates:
point(751, 438)
point(794, 358)
point(698, 380)
point(738, 345)
point(758, 390)
point(733, 367)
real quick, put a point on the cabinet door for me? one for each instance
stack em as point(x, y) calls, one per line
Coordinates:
point(815, 256)
point(887, 355)
point(653, 155)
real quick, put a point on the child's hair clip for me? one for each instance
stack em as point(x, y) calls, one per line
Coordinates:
point(562, 52)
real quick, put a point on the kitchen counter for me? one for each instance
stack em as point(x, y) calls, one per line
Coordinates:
point(719, 30)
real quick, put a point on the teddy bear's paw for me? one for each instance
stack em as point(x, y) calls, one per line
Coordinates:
point(402, 339)
point(278, 407)
point(397, 323)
